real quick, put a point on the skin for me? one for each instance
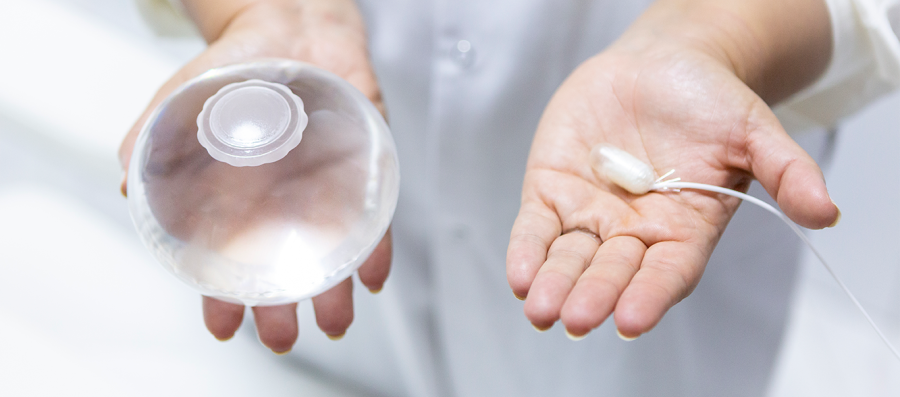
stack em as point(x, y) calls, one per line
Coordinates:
point(329, 34)
point(688, 87)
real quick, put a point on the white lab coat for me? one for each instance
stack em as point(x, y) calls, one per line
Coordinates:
point(463, 121)
point(465, 82)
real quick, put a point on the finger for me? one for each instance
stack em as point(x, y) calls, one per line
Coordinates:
point(277, 326)
point(334, 309)
point(374, 271)
point(535, 229)
point(597, 290)
point(668, 273)
point(569, 255)
point(789, 174)
point(222, 318)
point(363, 78)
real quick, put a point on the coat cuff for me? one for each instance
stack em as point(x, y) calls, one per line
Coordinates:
point(865, 65)
point(166, 17)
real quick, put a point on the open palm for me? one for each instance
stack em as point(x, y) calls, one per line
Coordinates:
point(583, 248)
point(338, 45)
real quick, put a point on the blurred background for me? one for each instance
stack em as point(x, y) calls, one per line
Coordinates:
point(86, 311)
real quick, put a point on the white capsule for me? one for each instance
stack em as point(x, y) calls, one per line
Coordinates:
point(623, 169)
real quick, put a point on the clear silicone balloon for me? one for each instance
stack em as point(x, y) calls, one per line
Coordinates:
point(286, 187)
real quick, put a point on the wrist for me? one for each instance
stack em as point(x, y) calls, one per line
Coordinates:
point(216, 18)
point(212, 16)
point(777, 48)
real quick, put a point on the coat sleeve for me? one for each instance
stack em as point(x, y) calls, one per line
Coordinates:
point(166, 17)
point(865, 65)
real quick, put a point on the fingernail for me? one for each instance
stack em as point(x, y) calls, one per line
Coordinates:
point(282, 353)
point(225, 339)
point(626, 338)
point(575, 337)
point(521, 298)
point(336, 337)
point(123, 187)
point(375, 291)
point(539, 329)
point(838, 219)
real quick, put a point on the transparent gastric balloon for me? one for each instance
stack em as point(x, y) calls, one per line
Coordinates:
point(263, 183)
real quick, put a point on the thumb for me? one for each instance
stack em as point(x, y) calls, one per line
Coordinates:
point(189, 71)
point(127, 146)
point(788, 173)
point(205, 61)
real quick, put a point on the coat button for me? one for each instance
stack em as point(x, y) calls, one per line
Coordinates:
point(463, 54)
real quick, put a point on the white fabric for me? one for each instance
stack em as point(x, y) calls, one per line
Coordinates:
point(865, 64)
point(465, 82)
point(166, 17)
point(463, 122)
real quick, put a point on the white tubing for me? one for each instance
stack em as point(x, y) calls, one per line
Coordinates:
point(674, 185)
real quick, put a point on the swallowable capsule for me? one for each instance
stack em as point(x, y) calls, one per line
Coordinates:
point(623, 169)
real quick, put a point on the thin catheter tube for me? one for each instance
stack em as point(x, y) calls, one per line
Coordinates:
point(674, 185)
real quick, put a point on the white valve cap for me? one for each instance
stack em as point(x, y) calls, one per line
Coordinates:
point(251, 123)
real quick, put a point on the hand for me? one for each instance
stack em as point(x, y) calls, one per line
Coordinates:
point(329, 34)
point(583, 248)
